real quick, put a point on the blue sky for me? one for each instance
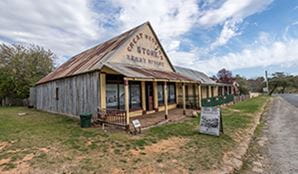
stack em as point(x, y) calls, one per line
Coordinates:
point(246, 37)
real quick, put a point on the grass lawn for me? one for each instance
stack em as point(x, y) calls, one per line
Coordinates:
point(41, 142)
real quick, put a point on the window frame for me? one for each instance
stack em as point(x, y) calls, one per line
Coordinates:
point(162, 101)
point(57, 93)
point(131, 107)
point(172, 101)
point(118, 81)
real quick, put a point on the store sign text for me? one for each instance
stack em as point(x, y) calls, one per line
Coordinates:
point(155, 53)
point(136, 59)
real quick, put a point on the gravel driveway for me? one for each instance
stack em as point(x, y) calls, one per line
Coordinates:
point(282, 134)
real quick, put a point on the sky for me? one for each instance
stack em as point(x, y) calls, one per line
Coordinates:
point(244, 36)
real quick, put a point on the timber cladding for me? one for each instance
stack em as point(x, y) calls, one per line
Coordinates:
point(76, 95)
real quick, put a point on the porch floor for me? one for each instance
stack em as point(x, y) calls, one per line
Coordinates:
point(149, 120)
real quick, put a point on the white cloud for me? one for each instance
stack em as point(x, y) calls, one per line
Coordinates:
point(66, 27)
point(69, 26)
point(291, 30)
point(230, 14)
point(168, 18)
point(282, 53)
point(183, 58)
point(229, 31)
point(232, 9)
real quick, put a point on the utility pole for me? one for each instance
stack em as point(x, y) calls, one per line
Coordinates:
point(267, 84)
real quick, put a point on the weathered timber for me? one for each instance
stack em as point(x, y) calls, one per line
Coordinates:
point(76, 95)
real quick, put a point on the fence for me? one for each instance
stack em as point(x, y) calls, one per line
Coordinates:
point(115, 117)
point(219, 100)
point(240, 98)
point(13, 102)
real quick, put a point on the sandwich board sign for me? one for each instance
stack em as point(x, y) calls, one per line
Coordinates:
point(211, 121)
point(136, 123)
point(137, 126)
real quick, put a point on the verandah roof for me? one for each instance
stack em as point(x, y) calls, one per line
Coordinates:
point(143, 73)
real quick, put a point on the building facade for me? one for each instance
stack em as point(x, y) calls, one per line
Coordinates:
point(130, 73)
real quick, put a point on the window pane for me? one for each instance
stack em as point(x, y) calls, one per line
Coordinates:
point(135, 96)
point(121, 97)
point(160, 92)
point(172, 93)
point(112, 96)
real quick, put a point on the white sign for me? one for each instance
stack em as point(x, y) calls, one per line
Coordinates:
point(136, 123)
point(211, 122)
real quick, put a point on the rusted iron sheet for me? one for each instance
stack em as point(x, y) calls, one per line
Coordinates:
point(141, 72)
point(87, 60)
point(160, 74)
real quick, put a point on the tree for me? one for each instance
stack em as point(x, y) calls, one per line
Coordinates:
point(256, 85)
point(243, 84)
point(225, 76)
point(21, 67)
point(280, 82)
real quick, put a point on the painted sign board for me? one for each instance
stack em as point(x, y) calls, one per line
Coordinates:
point(211, 121)
point(137, 126)
point(142, 49)
point(136, 123)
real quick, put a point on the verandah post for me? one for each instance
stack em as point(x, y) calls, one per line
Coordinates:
point(166, 99)
point(126, 100)
point(223, 90)
point(102, 87)
point(200, 95)
point(210, 91)
point(183, 98)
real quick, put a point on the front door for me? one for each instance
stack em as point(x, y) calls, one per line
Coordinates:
point(149, 96)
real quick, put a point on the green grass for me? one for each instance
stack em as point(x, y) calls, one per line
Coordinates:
point(89, 149)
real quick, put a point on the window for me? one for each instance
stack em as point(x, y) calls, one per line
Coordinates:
point(135, 95)
point(171, 93)
point(121, 96)
point(57, 94)
point(114, 92)
point(115, 97)
point(160, 93)
point(112, 96)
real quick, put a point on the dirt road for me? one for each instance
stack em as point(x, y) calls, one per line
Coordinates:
point(275, 149)
point(283, 134)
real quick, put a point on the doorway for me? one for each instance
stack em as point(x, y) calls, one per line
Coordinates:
point(149, 96)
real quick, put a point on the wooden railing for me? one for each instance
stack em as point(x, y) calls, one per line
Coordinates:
point(115, 117)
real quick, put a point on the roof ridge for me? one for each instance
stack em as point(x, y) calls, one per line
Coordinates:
point(113, 38)
point(89, 57)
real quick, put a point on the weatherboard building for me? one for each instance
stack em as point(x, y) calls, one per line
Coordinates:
point(128, 75)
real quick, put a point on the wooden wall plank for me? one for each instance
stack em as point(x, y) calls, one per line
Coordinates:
point(76, 95)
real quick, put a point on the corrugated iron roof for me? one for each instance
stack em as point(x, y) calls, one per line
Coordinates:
point(195, 75)
point(88, 60)
point(141, 72)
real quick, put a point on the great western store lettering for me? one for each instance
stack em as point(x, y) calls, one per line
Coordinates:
point(143, 60)
point(155, 53)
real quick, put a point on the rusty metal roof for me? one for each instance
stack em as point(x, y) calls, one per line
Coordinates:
point(89, 60)
point(141, 72)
